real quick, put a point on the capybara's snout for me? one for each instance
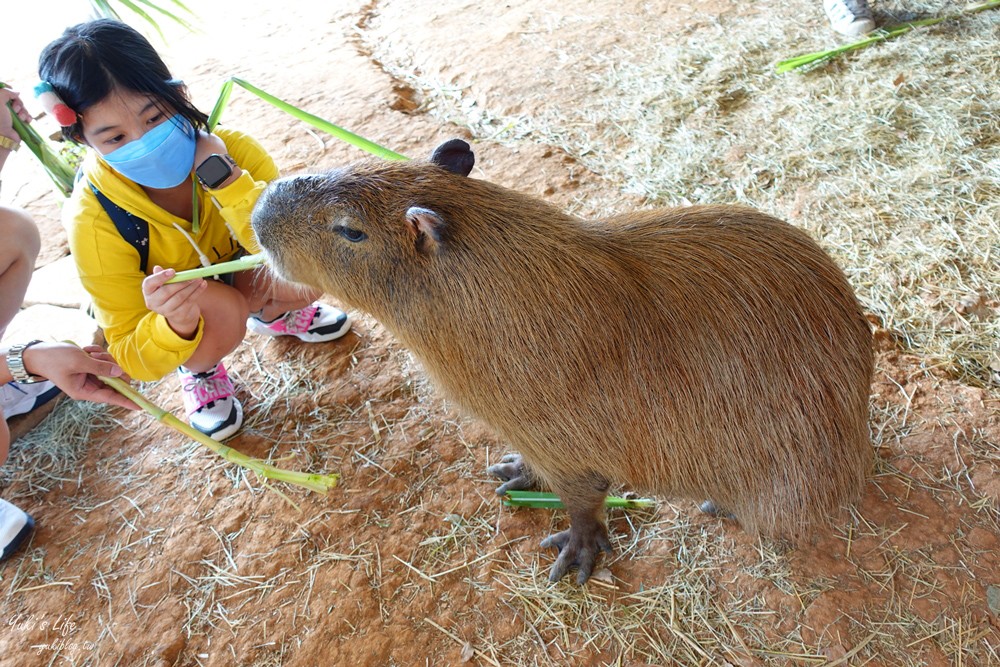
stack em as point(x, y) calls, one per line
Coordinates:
point(281, 203)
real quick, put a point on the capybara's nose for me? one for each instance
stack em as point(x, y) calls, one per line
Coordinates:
point(277, 202)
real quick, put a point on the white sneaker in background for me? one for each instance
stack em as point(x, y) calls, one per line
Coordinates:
point(849, 17)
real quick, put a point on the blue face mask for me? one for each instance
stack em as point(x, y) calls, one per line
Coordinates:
point(161, 158)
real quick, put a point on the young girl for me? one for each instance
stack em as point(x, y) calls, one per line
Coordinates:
point(160, 194)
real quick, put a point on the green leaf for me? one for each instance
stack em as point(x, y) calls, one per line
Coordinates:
point(58, 169)
point(315, 121)
point(139, 8)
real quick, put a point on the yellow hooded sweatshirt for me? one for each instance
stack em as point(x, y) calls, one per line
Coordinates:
point(140, 340)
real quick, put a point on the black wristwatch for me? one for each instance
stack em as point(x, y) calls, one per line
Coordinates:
point(214, 171)
point(15, 363)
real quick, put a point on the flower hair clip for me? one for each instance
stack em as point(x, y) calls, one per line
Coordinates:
point(53, 104)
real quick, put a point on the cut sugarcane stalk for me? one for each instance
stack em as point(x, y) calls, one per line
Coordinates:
point(541, 500)
point(312, 481)
point(241, 264)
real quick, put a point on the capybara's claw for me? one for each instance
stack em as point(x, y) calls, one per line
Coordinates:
point(520, 483)
point(577, 548)
point(709, 507)
point(515, 472)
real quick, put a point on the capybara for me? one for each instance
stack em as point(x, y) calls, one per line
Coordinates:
point(709, 352)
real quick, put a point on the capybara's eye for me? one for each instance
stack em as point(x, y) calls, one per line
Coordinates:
point(352, 235)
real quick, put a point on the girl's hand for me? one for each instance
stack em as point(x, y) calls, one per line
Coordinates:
point(178, 302)
point(75, 371)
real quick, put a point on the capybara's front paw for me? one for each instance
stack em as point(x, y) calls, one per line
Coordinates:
point(578, 547)
point(517, 475)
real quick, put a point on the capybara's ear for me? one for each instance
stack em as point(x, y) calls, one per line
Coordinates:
point(426, 227)
point(454, 155)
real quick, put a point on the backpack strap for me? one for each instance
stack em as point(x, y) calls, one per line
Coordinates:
point(133, 229)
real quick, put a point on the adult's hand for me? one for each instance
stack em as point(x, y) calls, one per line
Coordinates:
point(75, 370)
point(6, 120)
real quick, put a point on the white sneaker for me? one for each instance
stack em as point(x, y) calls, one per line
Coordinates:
point(15, 525)
point(18, 399)
point(849, 17)
point(210, 403)
point(317, 323)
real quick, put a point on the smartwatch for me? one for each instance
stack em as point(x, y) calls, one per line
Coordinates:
point(15, 363)
point(214, 171)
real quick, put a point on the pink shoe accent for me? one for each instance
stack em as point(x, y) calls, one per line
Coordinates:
point(294, 321)
point(200, 389)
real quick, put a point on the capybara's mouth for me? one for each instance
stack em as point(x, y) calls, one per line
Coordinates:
point(277, 268)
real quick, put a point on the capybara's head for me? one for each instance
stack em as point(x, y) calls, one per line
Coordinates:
point(364, 227)
point(395, 238)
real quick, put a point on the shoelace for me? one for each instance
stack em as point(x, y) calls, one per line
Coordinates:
point(299, 321)
point(205, 388)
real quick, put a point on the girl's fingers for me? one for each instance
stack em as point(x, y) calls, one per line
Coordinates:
point(156, 280)
point(167, 296)
point(179, 295)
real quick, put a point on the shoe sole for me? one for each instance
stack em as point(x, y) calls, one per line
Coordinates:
point(15, 543)
point(229, 430)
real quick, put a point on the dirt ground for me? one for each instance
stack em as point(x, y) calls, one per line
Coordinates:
point(151, 551)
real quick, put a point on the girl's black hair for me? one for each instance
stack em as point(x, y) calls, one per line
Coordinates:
point(91, 59)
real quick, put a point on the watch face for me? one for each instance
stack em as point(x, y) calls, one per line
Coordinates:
point(213, 171)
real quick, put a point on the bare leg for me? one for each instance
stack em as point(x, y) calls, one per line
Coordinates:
point(225, 312)
point(17, 262)
point(269, 297)
point(587, 536)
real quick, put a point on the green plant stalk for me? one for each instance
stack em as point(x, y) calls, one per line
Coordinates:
point(314, 482)
point(315, 121)
point(540, 500)
point(241, 264)
point(55, 166)
point(880, 36)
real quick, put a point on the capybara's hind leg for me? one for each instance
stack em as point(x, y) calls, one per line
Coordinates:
point(587, 536)
point(517, 474)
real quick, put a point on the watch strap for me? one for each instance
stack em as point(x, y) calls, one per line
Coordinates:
point(15, 363)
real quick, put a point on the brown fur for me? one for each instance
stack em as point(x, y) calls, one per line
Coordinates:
point(703, 352)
